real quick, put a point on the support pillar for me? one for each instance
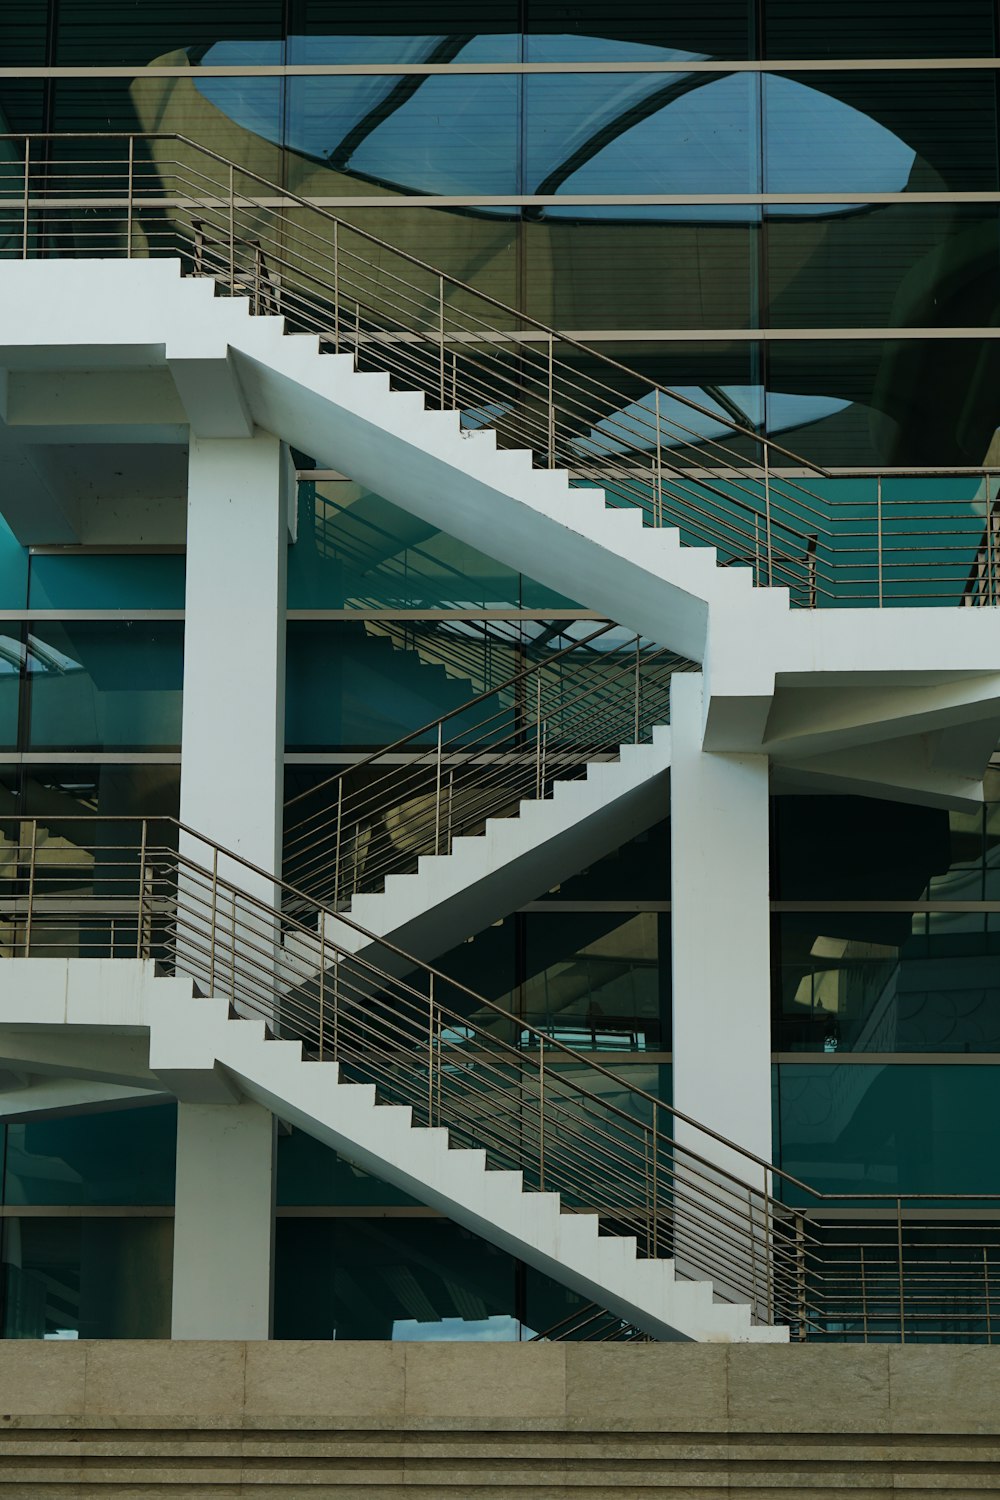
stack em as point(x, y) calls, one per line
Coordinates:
point(224, 1222)
point(720, 902)
point(232, 750)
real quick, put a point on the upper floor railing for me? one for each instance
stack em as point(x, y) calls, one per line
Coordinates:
point(853, 1266)
point(685, 464)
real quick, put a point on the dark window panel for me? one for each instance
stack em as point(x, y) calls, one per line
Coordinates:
point(893, 28)
point(108, 685)
point(23, 31)
point(884, 265)
point(123, 33)
point(585, 31)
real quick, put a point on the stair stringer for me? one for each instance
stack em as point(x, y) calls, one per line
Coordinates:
point(516, 859)
point(199, 1037)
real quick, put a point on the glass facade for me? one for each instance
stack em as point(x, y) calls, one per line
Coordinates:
point(813, 251)
point(582, 152)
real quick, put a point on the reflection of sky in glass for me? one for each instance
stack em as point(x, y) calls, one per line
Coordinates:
point(499, 1329)
point(635, 424)
point(663, 133)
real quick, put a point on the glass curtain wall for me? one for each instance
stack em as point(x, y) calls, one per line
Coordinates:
point(664, 179)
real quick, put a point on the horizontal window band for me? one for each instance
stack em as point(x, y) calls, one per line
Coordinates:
point(512, 68)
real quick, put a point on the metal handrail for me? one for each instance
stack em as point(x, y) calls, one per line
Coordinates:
point(496, 1082)
point(520, 744)
point(569, 417)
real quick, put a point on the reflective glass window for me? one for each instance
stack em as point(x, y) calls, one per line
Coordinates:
point(893, 28)
point(642, 267)
point(120, 32)
point(871, 402)
point(332, 31)
point(112, 582)
point(887, 1128)
point(106, 684)
point(870, 131)
point(598, 981)
point(115, 1158)
point(887, 982)
point(681, 29)
point(883, 265)
point(642, 133)
point(856, 849)
point(81, 1278)
point(309, 1173)
point(394, 1279)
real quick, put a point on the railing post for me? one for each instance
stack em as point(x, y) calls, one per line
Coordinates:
point(767, 512)
point(430, 1051)
point(878, 532)
point(638, 687)
point(232, 232)
point(336, 857)
point(437, 796)
point(336, 287)
point(140, 918)
point(27, 197)
point(899, 1252)
point(541, 1114)
point(986, 1288)
point(31, 887)
point(322, 981)
point(232, 951)
point(800, 1275)
point(864, 1292)
point(441, 339)
point(552, 408)
point(211, 936)
point(131, 190)
point(654, 1219)
point(538, 736)
point(769, 1246)
point(658, 488)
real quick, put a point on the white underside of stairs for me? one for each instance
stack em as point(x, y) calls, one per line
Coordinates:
point(192, 1042)
point(514, 860)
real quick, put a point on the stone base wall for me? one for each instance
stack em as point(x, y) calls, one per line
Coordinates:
point(204, 1421)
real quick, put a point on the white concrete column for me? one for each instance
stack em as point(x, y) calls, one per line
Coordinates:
point(224, 1222)
point(720, 932)
point(232, 749)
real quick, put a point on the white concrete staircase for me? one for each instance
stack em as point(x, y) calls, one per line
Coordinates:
point(514, 860)
point(234, 371)
point(193, 1039)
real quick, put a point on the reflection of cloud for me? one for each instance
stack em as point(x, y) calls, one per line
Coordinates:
point(635, 425)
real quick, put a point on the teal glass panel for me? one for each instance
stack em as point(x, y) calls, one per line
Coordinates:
point(356, 550)
point(893, 28)
point(887, 981)
point(122, 1157)
point(364, 685)
point(81, 1278)
point(11, 661)
point(638, 31)
point(106, 685)
point(13, 570)
point(598, 981)
point(310, 1173)
point(391, 1279)
point(903, 1128)
point(111, 582)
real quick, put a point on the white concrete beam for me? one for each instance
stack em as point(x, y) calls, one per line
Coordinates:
point(48, 1098)
point(211, 394)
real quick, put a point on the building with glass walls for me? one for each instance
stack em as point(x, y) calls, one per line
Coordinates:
point(751, 251)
